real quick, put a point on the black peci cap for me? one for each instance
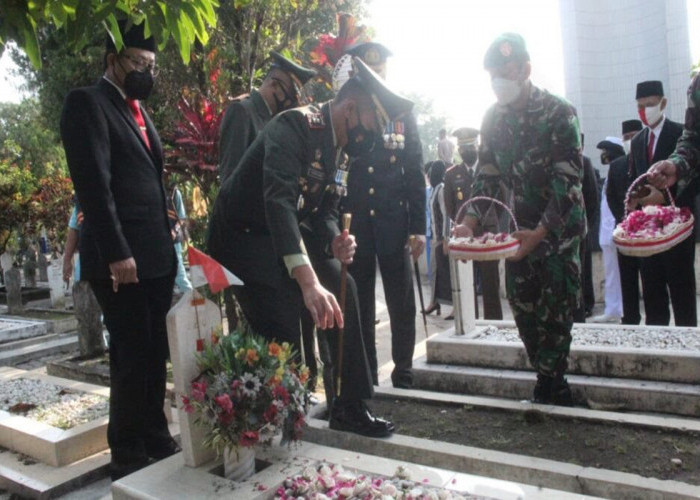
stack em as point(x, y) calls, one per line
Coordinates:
point(631, 126)
point(649, 88)
point(132, 36)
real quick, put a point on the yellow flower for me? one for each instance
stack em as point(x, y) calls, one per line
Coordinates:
point(304, 375)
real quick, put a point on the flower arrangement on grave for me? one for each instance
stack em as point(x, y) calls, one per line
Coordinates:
point(247, 392)
point(329, 481)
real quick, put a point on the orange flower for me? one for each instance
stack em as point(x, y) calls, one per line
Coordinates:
point(274, 349)
point(251, 356)
point(304, 375)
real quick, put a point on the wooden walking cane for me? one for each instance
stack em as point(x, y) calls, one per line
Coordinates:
point(347, 219)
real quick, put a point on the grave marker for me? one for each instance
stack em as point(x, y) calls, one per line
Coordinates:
point(89, 316)
point(13, 286)
point(43, 265)
point(56, 284)
point(192, 319)
point(462, 280)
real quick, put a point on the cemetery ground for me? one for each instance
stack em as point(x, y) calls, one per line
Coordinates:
point(650, 451)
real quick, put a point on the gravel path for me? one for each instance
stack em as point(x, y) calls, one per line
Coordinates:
point(51, 404)
point(677, 339)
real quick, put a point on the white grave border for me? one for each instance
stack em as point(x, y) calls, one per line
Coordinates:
point(47, 444)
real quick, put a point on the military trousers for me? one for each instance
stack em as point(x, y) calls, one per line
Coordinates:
point(274, 312)
point(544, 294)
point(400, 301)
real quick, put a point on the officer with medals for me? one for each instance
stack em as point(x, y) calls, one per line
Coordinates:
point(458, 189)
point(245, 118)
point(386, 197)
point(275, 225)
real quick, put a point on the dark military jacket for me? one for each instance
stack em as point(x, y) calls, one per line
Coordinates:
point(386, 191)
point(458, 187)
point(536, 153)
point(286, 178)
point(686, 157)
point(243, 121)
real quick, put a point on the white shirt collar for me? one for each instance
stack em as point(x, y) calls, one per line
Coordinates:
point(121, 92)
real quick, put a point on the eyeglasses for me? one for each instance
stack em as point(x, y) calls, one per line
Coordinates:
point(141, 64)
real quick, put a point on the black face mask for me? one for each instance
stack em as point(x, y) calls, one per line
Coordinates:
point(604, 158)
point(289, 101)
point(138, 84)
point(469, 156)
point(360, 140)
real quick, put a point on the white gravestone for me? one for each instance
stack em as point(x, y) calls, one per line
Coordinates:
point(191, 319)
point(6, 261)
point(462, 280)
point(56, 284)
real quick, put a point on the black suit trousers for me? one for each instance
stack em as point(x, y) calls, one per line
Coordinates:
point(401, 302)
point(629, 283)
point(670, 273)
point(138, 349)
point(275, 314)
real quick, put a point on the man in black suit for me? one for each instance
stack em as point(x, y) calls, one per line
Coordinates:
point(670, 272)
point(126, 251)
point(275, 224)
point(616, 189)
point(386, 197)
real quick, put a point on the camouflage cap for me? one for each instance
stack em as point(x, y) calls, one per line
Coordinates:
point(466, 136)
point(505, 48)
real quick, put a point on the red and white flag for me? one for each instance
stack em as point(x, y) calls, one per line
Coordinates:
point(204, 269)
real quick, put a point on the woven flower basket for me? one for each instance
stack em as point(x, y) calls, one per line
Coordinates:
point(473, 249)
point(645, 246)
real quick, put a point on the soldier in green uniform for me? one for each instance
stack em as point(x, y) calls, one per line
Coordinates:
point(531, 143)
point(386, 197)
point(245, 118)
point(458, 189)
point(683, 166)
point(275, 225)
point(242, 122)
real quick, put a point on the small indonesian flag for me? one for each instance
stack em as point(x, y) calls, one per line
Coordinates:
point(204, 269)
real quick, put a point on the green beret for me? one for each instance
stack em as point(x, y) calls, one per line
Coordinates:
point(505, 48)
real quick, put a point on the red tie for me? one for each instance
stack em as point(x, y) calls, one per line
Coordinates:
point(136, 111)
point(650, 147)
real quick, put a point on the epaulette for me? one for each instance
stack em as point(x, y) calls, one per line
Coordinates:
point(315, 120)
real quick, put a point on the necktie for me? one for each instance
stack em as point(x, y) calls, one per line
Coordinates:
point(136, 111)
point(650, 147)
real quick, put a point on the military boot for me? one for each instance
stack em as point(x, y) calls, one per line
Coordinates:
point(561, 392)
point(543, 390)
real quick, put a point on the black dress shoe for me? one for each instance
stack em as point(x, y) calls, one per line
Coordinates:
point(433, 308)
point(356, 417)
point(163, 449)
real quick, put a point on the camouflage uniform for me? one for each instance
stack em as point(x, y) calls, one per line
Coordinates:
point(686, 157)
point(536, 153)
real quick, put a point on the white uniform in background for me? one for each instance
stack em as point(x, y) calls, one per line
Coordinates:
point(613, 291)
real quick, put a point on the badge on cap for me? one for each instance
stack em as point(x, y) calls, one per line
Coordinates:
point(506, 49)
point(372, 56)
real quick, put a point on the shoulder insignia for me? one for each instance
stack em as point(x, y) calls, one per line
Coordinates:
point(315, 120)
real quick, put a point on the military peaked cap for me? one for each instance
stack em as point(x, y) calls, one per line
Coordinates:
point(370, 52)
point(300, 73)
point(649, 88)
point(466, 136)
point(389, 105)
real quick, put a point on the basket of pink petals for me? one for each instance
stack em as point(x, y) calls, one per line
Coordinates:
point(487, 246)
point(652, 229)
